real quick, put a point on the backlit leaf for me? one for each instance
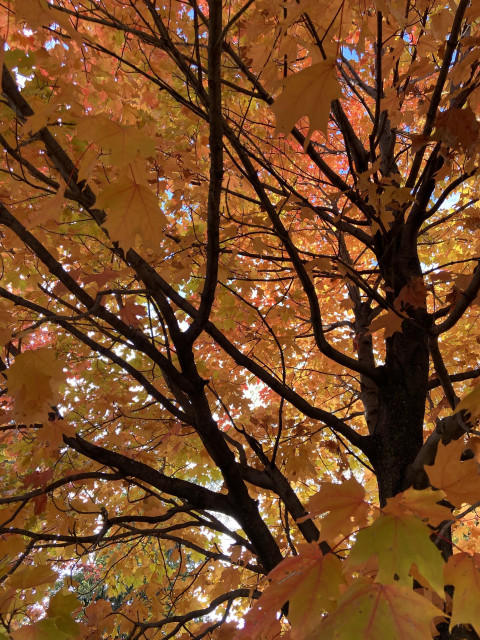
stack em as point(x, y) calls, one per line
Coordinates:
point(470, 403)
point(132, 209)
point(463, 572)
point(458, 478)
point(345, 504)
point(33, 381)
point(307, 93)
point(398, 542)
point(369, 611)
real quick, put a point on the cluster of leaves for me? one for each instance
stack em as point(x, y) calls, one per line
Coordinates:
point(392, 577)
point(238, 307)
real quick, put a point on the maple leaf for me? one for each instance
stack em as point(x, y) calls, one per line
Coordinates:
point(121, 142)
point(309, 92)
point(463, 572)
point(46, 210)
point(99, 616)
point(369, 611)
point(459, 479)
point(37, 13)
point(29, 577)
point(243, 393)
point(398, 542)
point(58, 623)
point(309, 581)
point(52, 432)
point(457, 128)
point(346, 506)
point(423, 504)
point(130, 312)
point(470, 403)
point(33, 381)
point(132, 209)
point(390, 321)
point(413, 294)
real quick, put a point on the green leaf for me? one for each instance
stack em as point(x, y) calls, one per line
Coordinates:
point(369, 611)
point(399, 542)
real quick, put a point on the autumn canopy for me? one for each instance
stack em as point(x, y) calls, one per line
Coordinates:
point(239, 319)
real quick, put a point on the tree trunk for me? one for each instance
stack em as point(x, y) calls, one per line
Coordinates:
point(402, 391)
point(398, 435)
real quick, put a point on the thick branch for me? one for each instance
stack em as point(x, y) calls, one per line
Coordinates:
point(464, 301)
point(198, 497)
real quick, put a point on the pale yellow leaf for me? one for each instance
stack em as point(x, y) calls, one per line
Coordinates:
point(33, 381)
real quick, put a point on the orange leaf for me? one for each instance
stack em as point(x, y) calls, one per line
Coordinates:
point(121, 142)
point(307, 93)
point(132, 209)
point(308, 581)
point(457, 128)
point(29, 577)
point(33, 381)
point(130, 312)
point(463, 572)
point(346, 504)
point(389, 321)
point(458, 478)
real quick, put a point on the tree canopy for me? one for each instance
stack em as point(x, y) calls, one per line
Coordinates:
point(239, 306)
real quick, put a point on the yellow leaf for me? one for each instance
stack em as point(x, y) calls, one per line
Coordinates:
point(121, 142)
point(390, 322)
point(463, 572)
point(32, 577)
point(132, 209)
point(33, 381)
point(307, 93)
point(423, 504)
point(458, 478)
point(375, 612)
point(470, 403)
point(316, 595)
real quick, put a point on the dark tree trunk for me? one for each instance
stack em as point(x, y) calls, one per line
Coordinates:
point(402, 393)
point(397, 433)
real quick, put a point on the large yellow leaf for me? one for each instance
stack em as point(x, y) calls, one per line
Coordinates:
point(132, 209)
point(29, 577)
point(389, 321)
point(307, 93)
point(378, 612)
point(121, 142)
point(458, 478)
point(399, 542)
point(346, 505)
point(463, 572)
point(33, 381)
point(470, 403)
point(423, 504)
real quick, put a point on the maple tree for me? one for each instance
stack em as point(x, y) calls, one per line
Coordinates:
point(238, 319)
